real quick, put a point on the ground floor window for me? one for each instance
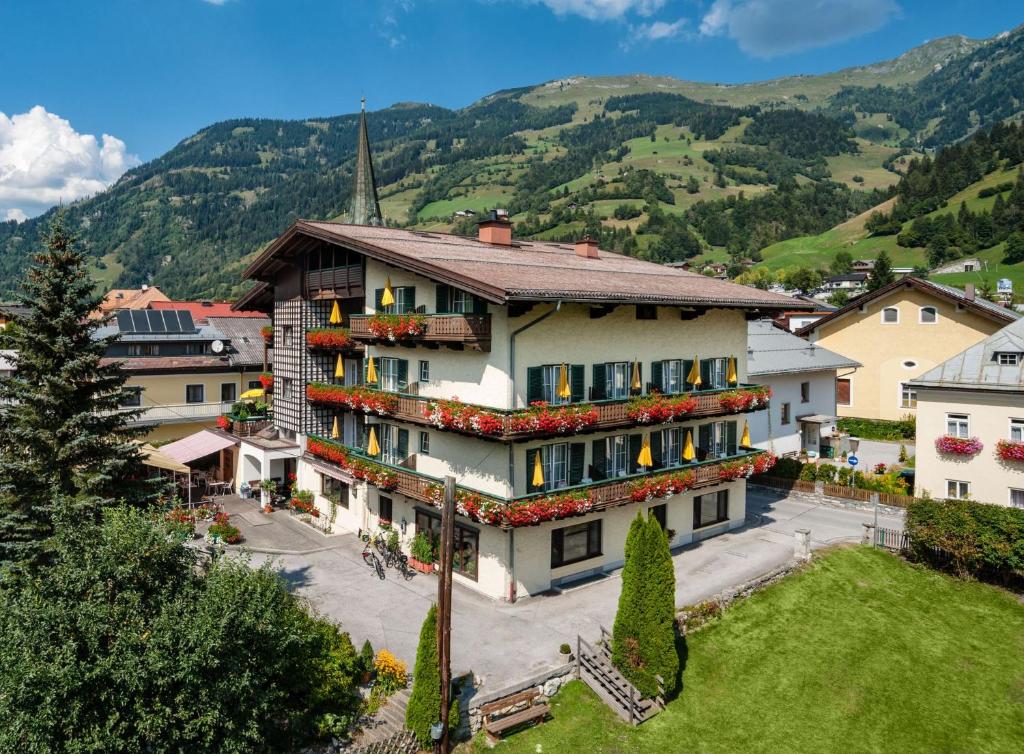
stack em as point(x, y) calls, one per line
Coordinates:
point(958, 490)
point(572, 544)
point(385, 509)
point(710, 508)
point(466, 544)
point(1017, 498)
point(660, 514)
point(334, 490)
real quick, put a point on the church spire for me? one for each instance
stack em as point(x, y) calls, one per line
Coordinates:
point(364, 208)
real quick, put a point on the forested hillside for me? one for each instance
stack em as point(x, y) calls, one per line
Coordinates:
point(655, 168)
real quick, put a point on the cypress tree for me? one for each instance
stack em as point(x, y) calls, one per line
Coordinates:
point(425, 700)
point(660, 647)
point(62, 435)
point(628, 630)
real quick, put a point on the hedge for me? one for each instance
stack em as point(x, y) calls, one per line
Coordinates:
point(879, 429)
point(974, 539)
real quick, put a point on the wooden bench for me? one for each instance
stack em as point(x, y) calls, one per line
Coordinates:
point(533, 713)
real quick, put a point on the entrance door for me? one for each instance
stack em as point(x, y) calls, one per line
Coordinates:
point(811, 434)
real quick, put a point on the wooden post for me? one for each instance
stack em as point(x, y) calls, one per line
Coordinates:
point(444, 610)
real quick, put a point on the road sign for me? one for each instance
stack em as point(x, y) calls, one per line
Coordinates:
point(853, 460)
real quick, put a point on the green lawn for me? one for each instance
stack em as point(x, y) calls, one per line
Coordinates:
point(860, 653)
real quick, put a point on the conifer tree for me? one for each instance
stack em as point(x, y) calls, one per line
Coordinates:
point(63, 436)
point(663, 659)
point(425, 700)
point(881, 274)
point(628, 630)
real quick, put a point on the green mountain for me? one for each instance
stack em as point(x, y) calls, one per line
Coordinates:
point(656, 167)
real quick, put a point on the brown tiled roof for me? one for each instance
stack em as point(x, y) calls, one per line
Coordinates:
point(525, 271)
point(169, 363)
point(130, 298)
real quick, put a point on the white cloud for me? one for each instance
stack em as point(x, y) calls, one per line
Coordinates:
point(602, 10)
point(658, 30)
point(44, 161)
point(15, 214)
point(766, 28)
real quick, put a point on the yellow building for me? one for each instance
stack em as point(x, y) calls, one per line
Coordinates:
point(897, 333)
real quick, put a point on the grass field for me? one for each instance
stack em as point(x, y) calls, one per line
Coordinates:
point(859, 653)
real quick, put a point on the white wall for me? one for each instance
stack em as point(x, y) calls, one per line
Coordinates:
point(766, 429)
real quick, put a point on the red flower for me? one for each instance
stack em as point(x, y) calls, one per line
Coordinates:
point(224, 423)
point(1008, 450)
point(397, 326)
point(354, 397)
point(329, 338)
point(267, 381)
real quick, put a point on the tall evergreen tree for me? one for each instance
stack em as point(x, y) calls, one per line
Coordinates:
point(663, 659)
point(882, 273)
point(62, 434)
point(425, 700)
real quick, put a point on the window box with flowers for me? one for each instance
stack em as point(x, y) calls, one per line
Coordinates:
point(267, 331)
point(1008, 450)
point(663, 485)
point(958, 446)
point(329, 339)
point(554, 420)
point(745, 399)
point(397, 326)
point(658, 408)
point(463, 417)
point(526, 511)
point(267, 381)
point(730, 470)
point(354, 397)
point(378, 475)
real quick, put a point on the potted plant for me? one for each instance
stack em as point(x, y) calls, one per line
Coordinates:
point(421, 553)
point(267, 331)
point(267, 487)
point(565, 651)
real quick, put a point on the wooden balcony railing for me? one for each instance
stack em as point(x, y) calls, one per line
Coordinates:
point(336, 281)
point(468, 330)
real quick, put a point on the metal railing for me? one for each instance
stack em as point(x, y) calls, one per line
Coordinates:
point(169, 413)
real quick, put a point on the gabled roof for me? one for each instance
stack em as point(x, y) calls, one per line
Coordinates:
point(977, 368)
point(201, 310)
point(773, 350)
point(979, 306)
point(245, 337)
point(129, 298)
point(524, 271)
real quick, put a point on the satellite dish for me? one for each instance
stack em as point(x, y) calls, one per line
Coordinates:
point(217, 346)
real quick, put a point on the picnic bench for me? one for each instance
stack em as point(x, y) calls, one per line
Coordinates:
point(533, 712)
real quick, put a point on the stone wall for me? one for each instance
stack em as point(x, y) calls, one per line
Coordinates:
point(547, 684)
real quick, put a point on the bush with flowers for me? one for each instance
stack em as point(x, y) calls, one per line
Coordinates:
point(392, 673)
point(879, 468)
point(267, 331)
point(960, 446)
point(764, 462)
point(397, 326)
point(355, 397)
point(662, 485)
point(1007, 450)
point(180, 523)
point(302, 501)
point(543, 418)
point(267, 381)
point(463, 417)
point(223, 423)
point(223, 530)
point(657, 408)
point(329, 338)
point(729, 470)
point(368, 471)
point(745, 399)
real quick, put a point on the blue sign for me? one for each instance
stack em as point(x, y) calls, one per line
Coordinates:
point(853, 460)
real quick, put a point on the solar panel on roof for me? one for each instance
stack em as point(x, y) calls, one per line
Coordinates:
point(156, 322)
point(185, 318)
point(124, 321)
point(140, 320)
point(171, 320)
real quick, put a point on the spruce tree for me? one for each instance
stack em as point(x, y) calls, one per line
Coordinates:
point(425, 700)
point(62, 434)
point(881, 274)
point(660, 647)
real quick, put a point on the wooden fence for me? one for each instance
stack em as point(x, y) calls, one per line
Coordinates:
point(834, 490)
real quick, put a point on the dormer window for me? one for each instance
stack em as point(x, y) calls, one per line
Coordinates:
point(1008, 359)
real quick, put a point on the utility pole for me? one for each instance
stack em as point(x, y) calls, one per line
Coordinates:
point(444, 611)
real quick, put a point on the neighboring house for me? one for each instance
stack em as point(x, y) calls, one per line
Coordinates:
point(802, 377)
point(795, 319)
point(960, 265)
point(203, 311)
point(128, 298)
point(9, 312)
point(7, 363)
point(979, 393)
point(851, 281)
point(495, 325)
point(183, 376)
point(897, 333)
point(862, 265)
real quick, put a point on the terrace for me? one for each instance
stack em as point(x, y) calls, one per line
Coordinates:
point(471, 331)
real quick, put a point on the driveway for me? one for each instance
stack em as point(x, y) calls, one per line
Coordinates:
point(503, 643)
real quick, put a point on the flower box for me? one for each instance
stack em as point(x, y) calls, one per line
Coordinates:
point(397, 326)
point(1007, 450)
point(958, 446)
point(267, 381)
point(462, 417)
point(730, 470)
point(368, 471)
point(420, 566)
point(354, 397)
point(658, 408)
point(662, 485)
point(555, 420)
point(329, 338)
point(223, 423)
point(744, 399)
point(522, 512)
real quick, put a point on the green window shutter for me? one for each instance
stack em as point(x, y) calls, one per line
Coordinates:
point(705, 374)
point(534, 384)
point(657, 369)
point(479, 305)
point(531, 460)
point(577, 453)
point(704, 435)
point(576, 383)
point(410, 299)
point(403, 444)
point(656, 450)
point(377, 296)
point(441, 307)
point(635, 443)
point(687, 366)
point(403, 375)
point(598, 468)
point(730, 438)
point(597, 390)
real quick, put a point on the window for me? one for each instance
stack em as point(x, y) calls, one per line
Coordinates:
point(196, 349)
point(958, 490)
point(571, 544)
point(286, 387)
point(1016, 430)
point(554, 459)
point(1008, 359)
point(928, 315)
point(718, 439)
point(843, 391)
point(805, 392)
point(1016, 498)
point(385, 509)
point(394, 444)
point(425, 443)
point(714, 373)
point(660, 514)
point(195, 393)
point(671, 448)
point(228, 391)
point(542, 383)
point(424, 370)
point(254, 385)
point(394, 374)
point(286, 335)
point(908, 396)
point(616, 454)
point(672, 376)
point(131, 397)
point(405, 300)
point(465, 543)
point(617, 376)
point(143, 349)
point(890, 315)
point(462, 302)
point(334, 490)
point(958, 425)
point(784, 414)
point(552, 376)
point(711, 508)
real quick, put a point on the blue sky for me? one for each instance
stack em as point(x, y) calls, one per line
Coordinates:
point(151, 73)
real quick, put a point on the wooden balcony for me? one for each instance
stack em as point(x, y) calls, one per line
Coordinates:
point(471, 331)
point(334, 282)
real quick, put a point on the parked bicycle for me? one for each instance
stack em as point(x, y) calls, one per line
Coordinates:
point(403, 566)
point(371, 559)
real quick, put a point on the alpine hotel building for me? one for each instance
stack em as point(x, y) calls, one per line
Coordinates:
point(565, 388)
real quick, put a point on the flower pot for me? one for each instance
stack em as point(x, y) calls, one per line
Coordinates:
point(421, 566)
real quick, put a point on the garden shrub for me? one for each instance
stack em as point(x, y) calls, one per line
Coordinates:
point(422, 549)
point(879, 429)
point(426, 682)
point(392, 674)
point(827, 473)
point(974, 539)
point(787, 468)
point(808, 473)
point(366, 658)
point(844, 475)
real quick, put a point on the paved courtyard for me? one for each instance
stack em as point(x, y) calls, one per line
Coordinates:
point(504, 643)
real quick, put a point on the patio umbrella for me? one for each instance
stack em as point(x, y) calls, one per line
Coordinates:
point(731, 376)
point(372, 448)
point(335, 433)
point(387, 298)
point(538, 471)
point(256, 392)
point(745, 439)
point(339, 368)
point(694, 376)
point(371, 372)
point(563, 382)
point(644, 459)
point(635, 381)
point(688, 452)
point(335, 314)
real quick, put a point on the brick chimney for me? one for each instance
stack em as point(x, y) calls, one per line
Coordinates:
point(496, 228)
point(969, 293)
point(586, 247)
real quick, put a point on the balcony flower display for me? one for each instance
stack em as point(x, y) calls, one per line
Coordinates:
point(354, 397)
point(267, 331)
point(745, 399)
point(764, 462)
point(658, 408)
point(302, 501)
point(555, 420)
point(462, 417)
point(267, 381)
point(1007, 450)
point(329, 338)
point(959, 446)
point(522, 512)
point(223, 423)
point(368, 471)
point(730, 470)
point(470, 504)
point(397, 326)
point(662, 485)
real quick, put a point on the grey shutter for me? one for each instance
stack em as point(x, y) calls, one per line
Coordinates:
point(531, 459)
point(597, 390)
point(577, 455)
point(576, 383)
point(598, 464)
point(656, 449)
point(410, 299)
point(730, 438)
point(635, 443)
point(441, 307)
point(377, 296)
point(704, 445)
point(534, 384)
point(403, 375)
point(403, 444)
point(657, 380)
point(687, 366)
point(705, 374)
